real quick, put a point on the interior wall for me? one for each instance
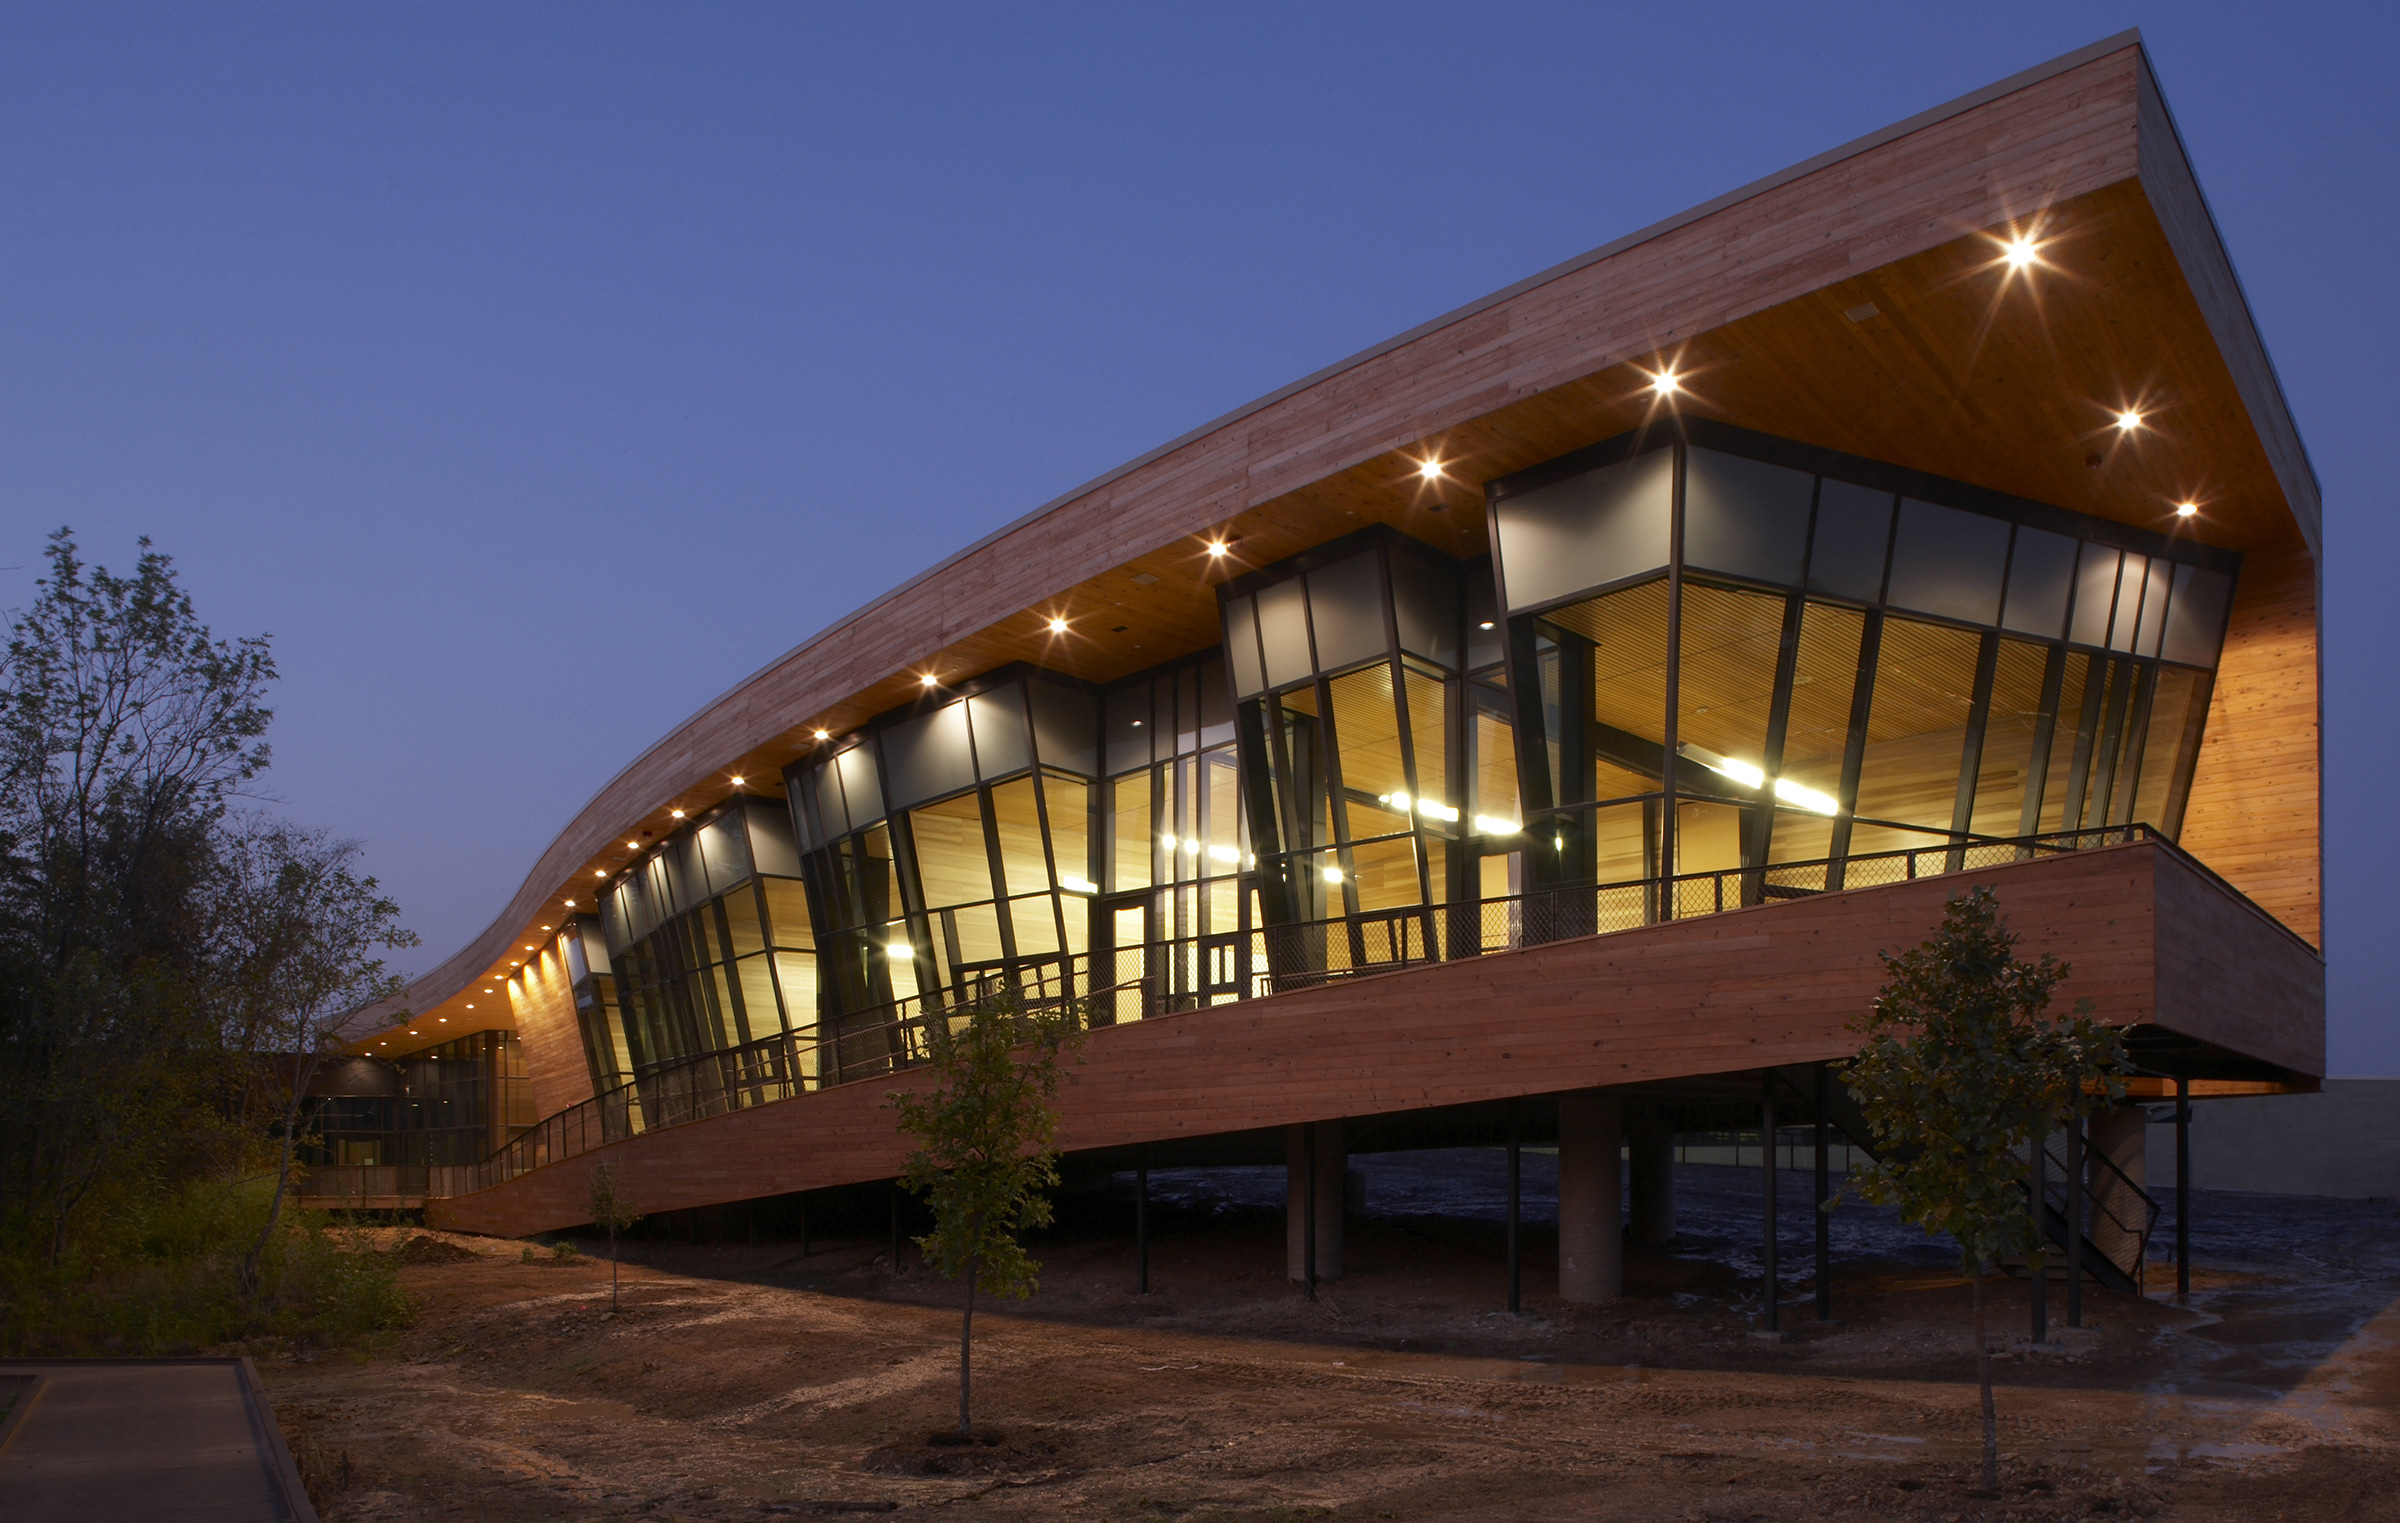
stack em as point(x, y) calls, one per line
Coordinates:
point(2255, 815)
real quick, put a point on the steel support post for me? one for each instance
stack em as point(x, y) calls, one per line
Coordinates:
point(1766, 1137)
point(2041, 1236)
point(1516, 1180)
point(1824, 1218)
point(1308, 1207)
point(2075, 1188)
point(2183, 1188)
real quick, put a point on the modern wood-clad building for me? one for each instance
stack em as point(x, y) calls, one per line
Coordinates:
point(1550, 712)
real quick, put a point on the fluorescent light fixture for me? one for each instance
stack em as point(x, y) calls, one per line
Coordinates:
point(1079, 885)
point(1224, 854)
point(899, 951)
point(1393, 801)
point(1799, 797)
point(1167, 841)
point(1333, 875)
point(1486, 825)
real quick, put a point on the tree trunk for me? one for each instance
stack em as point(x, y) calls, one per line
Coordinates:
point(254, 1263)
point(966, 1330)
point(1983, 1377)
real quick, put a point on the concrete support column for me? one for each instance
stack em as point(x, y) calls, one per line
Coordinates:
point(1332, 1164)
point(2120, 1135)
point(1650, 1157)
point(1591, 1205)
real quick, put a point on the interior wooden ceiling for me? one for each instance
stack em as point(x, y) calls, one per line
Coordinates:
point(2009, 381)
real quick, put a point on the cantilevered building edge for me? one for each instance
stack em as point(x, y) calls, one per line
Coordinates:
point(1559, 704)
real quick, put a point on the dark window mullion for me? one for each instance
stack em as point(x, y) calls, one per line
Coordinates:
point(2045, 729)
point(1854, 747)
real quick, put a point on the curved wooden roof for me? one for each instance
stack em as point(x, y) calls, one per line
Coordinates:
point(1855, 301)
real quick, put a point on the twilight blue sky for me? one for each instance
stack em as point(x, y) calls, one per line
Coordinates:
point(534, 372)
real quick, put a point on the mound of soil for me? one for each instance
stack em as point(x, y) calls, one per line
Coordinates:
point(991, 1451)
point(425, 1248)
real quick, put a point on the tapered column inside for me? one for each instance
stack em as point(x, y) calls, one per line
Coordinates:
point(1332, 1164)
point(1650, 1160)
point(1591, 1206)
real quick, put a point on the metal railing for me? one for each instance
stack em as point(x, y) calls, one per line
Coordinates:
point(2118, 1214)
point(1193, 972)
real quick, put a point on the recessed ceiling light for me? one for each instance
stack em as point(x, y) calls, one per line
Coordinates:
point(2186, 509)
point(1430, 470)
point(2129, 420)
point(1058, 626)
point(2021, 252)
point(545, 928)
point(597, 873)
point(822, 734)
point(1486, 624)
point(1216, 549)
point(1666, 383)
point(737, 782)
point(571, 903)
point(631, 846)
point(675, 814)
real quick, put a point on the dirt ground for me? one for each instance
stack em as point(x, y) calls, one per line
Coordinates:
point(752, 1382)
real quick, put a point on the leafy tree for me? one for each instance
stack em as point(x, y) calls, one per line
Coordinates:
point(126, 728)
point(613, 1207)
point(1961, 1070)
point(984, 1155)
point(295, 943)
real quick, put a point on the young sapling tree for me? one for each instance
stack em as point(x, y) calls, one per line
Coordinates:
point(613, 1207)
point(1962, 1069)
point(984, 1156)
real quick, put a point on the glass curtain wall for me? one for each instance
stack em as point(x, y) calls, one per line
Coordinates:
point(1370, 793)
point(1736, 663)
point(453, 1103)
point(1178, 915)
point(950, 850)
point(706, 945)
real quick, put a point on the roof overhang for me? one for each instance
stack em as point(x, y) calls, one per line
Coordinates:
point(1861, 302)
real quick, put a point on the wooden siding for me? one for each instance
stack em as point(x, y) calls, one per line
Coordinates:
point(1750, 989)
point(543, 1002)
point(1752, 296)
point(2256, 809)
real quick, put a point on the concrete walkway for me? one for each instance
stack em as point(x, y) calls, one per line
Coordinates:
point(157, 1439)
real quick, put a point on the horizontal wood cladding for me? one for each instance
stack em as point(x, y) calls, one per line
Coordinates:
point(2050, 142)
point(2256, 808)
point(2222, 981)
point(1753, 988)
